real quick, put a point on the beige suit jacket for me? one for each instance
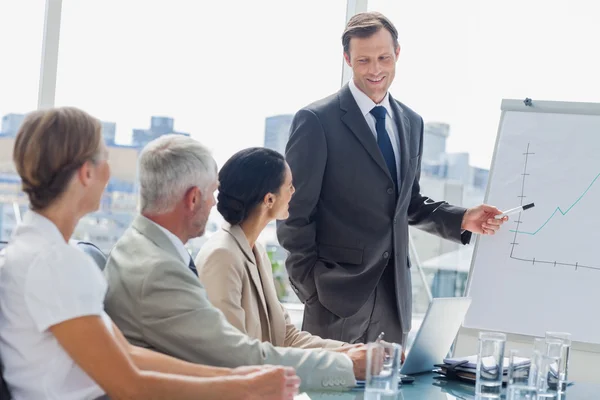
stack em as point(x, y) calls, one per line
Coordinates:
point(159, 303)
point(239, 281)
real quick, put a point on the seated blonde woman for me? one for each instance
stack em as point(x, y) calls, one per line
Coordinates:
point(56, 341)
point(255, 189)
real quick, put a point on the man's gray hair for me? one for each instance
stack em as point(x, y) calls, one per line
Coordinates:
point(168, 167)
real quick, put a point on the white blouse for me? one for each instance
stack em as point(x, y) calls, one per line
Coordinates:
point(44, 281)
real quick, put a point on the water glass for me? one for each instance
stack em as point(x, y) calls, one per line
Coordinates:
point(490, 370)
point(539, 349)
point(383, 368)
point(518, 387)
point(563, 366)
point(548, 362)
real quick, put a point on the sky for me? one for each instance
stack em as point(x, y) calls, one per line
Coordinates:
point(219, 68)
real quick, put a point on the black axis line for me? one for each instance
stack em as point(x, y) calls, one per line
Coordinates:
point(521, 197)
point(534, 261)
point(514, 242)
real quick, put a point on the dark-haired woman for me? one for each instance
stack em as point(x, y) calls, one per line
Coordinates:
point(255, 189)
point(56, 341)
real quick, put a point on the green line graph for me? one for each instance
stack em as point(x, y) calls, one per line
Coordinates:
point(545, 261)
point(559, 210)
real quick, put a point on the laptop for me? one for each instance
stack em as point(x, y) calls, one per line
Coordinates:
point(440, 326)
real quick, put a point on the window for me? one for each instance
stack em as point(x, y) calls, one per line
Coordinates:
point(149, 68)
point(458, 61)
point(21, 30)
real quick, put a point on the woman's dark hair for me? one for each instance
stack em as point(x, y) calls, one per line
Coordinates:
point(245, 179)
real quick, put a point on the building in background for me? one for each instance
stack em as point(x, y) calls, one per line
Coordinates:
point(435, 135)
point(11, 124)
point(438, 163)
point(109, 131)
point(158, 126)
point(450, 177)
point(277, 132)
point(480, 177)
point(118, 206)
point(458, 168)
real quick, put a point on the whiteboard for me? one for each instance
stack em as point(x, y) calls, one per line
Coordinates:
point(541, 271)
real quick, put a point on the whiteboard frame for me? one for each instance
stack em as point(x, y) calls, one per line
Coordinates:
point(542, 106)
point(467, 334)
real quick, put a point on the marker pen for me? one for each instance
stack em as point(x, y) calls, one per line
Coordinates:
point(515, 210)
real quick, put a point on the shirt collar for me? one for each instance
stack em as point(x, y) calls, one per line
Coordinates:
point(365, 103)
point(48, 229)
point(185, 255)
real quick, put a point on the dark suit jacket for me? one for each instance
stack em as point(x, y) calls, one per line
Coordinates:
point(345, 220)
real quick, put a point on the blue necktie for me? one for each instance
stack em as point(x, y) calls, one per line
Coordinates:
point(192, 266)
point(385, 144)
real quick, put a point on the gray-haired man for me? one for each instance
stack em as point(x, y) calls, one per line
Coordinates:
point(154, 293)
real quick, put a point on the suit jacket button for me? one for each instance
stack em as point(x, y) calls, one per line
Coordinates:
point(386, 255)
point(390, 191)
point(395, 221)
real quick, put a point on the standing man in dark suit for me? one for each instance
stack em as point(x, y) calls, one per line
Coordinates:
point(356, 159)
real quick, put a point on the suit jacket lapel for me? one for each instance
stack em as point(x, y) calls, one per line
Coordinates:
point(403, 125)
point(251, 263)
point(356, 122)
point(277, 326)
point(158, 237)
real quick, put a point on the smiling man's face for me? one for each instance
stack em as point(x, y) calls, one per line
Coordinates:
point(373, 62)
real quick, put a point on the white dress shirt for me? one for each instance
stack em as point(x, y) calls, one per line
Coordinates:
point(365, 104)
point(44, 281)
point(185, 255)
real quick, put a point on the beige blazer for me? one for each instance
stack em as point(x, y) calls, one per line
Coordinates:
point(239, 281)
point(159, 303)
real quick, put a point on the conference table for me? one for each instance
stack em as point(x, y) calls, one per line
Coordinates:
point(426, 387)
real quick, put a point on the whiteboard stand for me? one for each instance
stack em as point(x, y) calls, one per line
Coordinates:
point(585, 357)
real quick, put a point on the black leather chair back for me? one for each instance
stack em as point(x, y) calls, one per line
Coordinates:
point(4, 393)
point(93, 251)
